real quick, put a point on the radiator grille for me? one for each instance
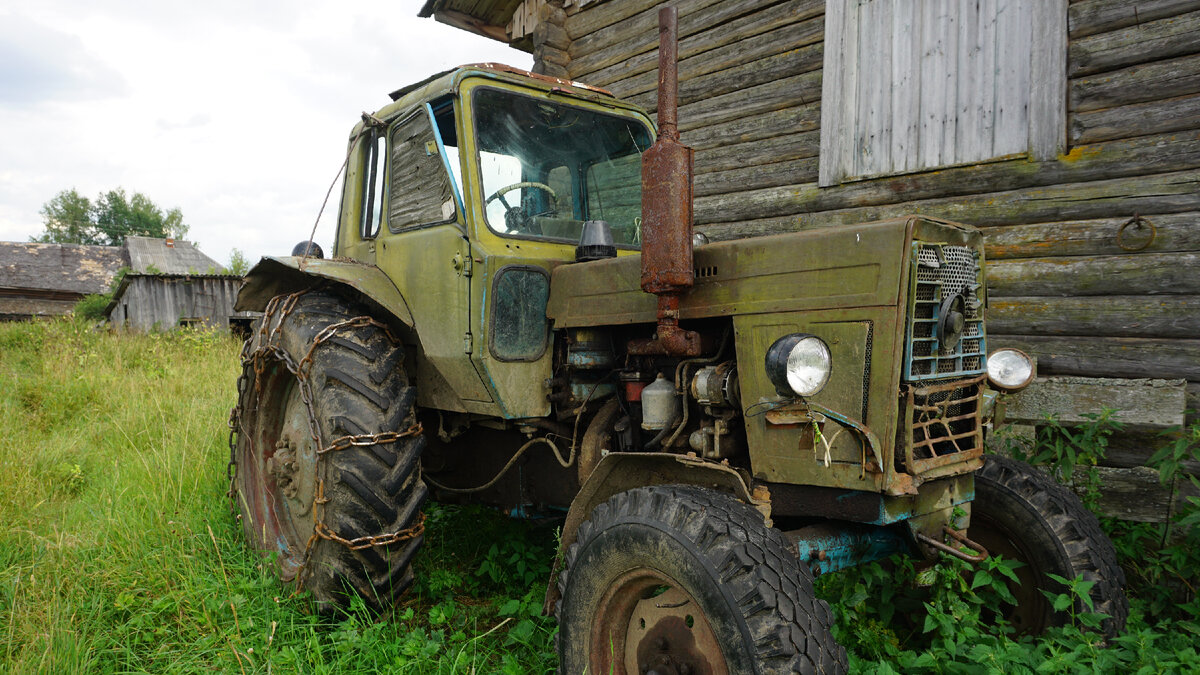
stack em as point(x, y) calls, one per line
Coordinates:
point(940, 271)
point(944, 424)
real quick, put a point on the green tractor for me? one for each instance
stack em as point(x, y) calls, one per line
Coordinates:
point(517, 313)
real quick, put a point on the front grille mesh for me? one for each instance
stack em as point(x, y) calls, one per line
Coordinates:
point(941, 271)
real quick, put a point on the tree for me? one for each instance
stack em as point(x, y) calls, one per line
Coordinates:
point(114, 215)
point(237, 264)
point(68, 220)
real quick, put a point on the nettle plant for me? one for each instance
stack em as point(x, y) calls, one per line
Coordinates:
point(1161, 560)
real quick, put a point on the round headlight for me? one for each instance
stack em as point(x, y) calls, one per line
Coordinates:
point(799, 364)
point(1010, 369)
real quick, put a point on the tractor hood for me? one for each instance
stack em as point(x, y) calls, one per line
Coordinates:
point(847, 266)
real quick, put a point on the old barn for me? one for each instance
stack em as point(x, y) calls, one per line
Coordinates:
point(1068, 131)
point(173, 284)
point(42, 280)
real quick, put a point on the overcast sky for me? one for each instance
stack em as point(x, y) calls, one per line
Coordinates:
point(238, 113)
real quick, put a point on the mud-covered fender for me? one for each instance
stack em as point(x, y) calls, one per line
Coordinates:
point(282, 275)
point(617, 472)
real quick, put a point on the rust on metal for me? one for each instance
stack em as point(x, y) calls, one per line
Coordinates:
point(944, 423)
point(977, 555)
point(667, 261)
point(647, 623)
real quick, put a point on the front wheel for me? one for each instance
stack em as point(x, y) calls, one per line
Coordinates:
point(1020, 513)
point(681, 579)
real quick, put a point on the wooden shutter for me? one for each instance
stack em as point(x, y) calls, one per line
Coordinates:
point(918, 84)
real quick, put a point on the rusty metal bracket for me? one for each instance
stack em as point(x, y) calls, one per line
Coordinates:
point(979, 556)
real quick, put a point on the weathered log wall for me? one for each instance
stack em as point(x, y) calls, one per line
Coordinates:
point(1063, 283)
point(1067, 283)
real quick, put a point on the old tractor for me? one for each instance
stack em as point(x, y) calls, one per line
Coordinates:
point(517, 313)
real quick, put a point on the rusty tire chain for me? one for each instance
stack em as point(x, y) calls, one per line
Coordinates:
point(276, 311)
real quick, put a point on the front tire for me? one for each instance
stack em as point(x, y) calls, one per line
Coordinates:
point(684, 579)
point(1022, 514)
point(329, 510)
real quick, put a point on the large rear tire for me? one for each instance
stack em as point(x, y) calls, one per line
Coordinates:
point(1020, 513)
point(681, 579)
point(340, 518)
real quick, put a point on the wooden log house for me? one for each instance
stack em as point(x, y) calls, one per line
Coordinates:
point(1069, 130)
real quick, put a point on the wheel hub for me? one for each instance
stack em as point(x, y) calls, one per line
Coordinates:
point(655, 627)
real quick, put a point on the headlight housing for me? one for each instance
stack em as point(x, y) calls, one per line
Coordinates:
point(799, 364)
point(1010, 369)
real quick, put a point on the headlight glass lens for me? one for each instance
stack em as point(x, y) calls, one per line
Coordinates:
point(1009, 369)
point(808, 366)
point(799, 364)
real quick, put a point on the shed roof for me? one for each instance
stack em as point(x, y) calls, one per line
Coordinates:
point(483, 17)
point(72, 268)
point(168, 256)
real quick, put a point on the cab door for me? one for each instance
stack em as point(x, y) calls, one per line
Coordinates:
point(425, 251)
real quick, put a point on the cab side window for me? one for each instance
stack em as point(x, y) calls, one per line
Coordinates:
point(373, 183)
point(421, 190)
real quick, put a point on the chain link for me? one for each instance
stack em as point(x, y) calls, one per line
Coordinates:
point(256, 361)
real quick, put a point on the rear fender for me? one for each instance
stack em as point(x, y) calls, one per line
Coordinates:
point(283, 275)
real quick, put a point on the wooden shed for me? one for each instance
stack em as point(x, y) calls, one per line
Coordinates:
point(1069, 130)
point(157, 302)
point(172, 284)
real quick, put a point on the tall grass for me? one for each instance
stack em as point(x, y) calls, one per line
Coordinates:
point(118, 552)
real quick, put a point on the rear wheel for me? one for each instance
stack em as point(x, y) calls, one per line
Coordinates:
point(1020, 513)
point(680, 579)
point(327, 452)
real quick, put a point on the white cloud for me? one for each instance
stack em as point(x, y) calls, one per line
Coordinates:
point(237, 113)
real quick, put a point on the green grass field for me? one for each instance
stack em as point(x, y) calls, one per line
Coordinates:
point(119, 553)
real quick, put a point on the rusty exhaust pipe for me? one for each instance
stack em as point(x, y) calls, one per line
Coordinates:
point(667, 265)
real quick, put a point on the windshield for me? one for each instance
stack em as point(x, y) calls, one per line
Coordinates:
point(546, 167)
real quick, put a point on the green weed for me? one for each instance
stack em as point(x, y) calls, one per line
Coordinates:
point(120, 554)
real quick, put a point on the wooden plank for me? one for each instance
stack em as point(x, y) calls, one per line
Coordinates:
point(726, 217)
point(1107, 356)
point(589, 19)
point(1129, 494)
point(1003, 192)
point(778, 173)
point(1142, 273)
point(1010, 132)
point(1172, 232)
point(1139, 119)
point(755, 127)
point(1193, 402)
point(639, 34)
point(1141, 402)
point(1100, 16)
point(1149, 41)
point(758, 153)
point(1168, 316)
point(1048, 90)
point(874, 138)
point(1136, 84)
point(765, 33)
point(799, 90)
point(837, 103)
point(765, 72)
point(968, 111)
point(906, 85)
point(1134, 448)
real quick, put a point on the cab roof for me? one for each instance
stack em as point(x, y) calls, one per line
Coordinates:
point(416, 94)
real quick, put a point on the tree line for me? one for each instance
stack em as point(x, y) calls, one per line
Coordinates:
point(71, 218)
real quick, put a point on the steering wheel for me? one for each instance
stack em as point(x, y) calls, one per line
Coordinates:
point(515, 218)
